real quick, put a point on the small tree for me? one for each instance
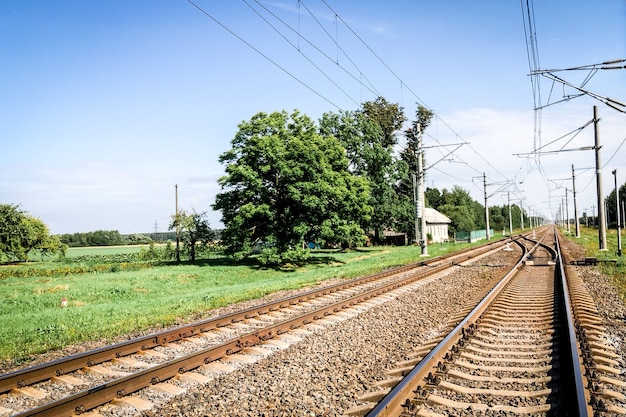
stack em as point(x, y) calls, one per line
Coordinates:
point(194, 228)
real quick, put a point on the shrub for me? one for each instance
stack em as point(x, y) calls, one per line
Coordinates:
point(271, 257)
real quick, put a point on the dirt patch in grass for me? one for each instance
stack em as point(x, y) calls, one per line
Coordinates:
point(359, 258)
point(54, 289)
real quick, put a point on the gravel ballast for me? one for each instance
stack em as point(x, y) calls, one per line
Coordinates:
point(326, 372)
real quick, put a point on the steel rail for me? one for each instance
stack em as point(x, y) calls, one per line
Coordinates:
point(42, 372)
point(391, 404)
point(582, 408)
point(101, 394)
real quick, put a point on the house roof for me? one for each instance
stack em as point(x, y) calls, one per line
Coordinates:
point(433, 216)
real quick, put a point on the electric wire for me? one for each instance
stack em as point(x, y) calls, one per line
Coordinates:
point(302, 53)
point(615, 153)
point(335, 41)
point(370, 49)
point(264, 56)
point(297, 32)
point(532, 54)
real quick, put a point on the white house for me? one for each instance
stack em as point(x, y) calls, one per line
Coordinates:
point(436, 225)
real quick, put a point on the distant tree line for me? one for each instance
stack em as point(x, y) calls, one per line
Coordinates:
point(96, 238)
point(113, 238)
point(467, 214)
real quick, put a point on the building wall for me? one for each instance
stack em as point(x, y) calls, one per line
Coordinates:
point(438, 231)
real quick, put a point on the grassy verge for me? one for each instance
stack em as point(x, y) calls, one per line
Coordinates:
point(103, 304)
point(616, 270)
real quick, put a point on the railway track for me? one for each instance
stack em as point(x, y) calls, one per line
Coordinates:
point(112, 373)
point(533, 346)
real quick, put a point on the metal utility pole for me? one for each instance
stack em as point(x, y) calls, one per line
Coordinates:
point(619, 233)
point(177, 228)
point(508, 197)
point(567, 211)
point(521, 213)
point(420, 185)
point(593, 215)
point(576, 222)
point(486, 207)
point(417, 209)
point(601, 213)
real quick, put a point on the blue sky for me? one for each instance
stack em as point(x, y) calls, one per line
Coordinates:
point(105, 106)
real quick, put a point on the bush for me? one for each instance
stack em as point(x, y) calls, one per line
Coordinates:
point(271, 257)
point(153, 253)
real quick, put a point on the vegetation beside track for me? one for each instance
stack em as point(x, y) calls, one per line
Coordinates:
point(616, 265)
point(119, 297)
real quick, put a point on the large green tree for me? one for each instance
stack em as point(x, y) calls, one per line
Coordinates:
point(389, 116)
point(287, 184)
point(20, 233)
point(369, 136)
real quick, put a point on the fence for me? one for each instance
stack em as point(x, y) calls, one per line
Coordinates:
point(472, 236)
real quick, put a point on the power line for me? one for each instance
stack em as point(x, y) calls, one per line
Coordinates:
point(300, 51)
point(263, 55)
point(300, 37)
point(336, 42)
point(615, 153)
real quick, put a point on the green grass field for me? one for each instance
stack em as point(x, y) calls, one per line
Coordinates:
point(103, 306)
point(103, 250)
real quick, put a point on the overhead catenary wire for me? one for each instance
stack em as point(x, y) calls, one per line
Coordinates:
point(299, 35)
point(574, 133)
point(532, 52)
point(337, 17)
point(310, 61)
point(264, 55)
point(615, 153)
point(336, 42)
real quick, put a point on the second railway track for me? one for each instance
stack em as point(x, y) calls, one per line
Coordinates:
point(521, 351)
